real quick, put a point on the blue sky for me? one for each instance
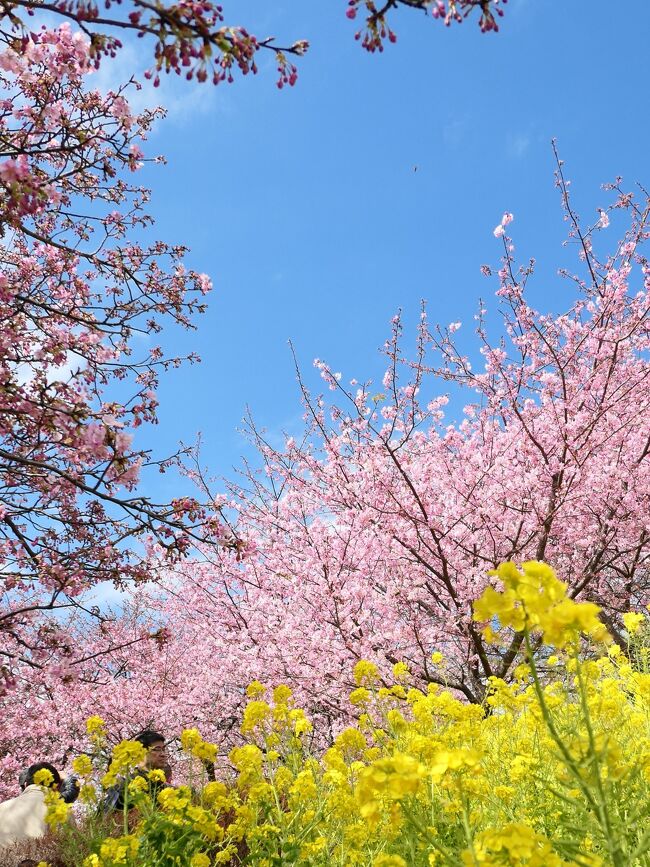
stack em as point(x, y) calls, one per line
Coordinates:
point(376, 182)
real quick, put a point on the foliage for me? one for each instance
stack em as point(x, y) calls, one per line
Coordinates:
point(553, 769)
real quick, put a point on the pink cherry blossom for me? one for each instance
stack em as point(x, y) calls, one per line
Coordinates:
point(505, 220)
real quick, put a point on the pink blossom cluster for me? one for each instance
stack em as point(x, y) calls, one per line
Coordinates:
point(376, 31)
point(190, 37)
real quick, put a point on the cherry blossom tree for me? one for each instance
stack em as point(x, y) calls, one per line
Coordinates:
point(193, 39)
point(78, 282)
point(371, 534)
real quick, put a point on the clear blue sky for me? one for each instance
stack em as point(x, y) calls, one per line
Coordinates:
point(306, 209)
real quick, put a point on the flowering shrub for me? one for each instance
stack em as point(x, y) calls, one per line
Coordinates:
point(552, 769)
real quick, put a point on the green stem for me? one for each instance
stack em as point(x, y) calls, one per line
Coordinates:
point(428, 837)
point(613, 845)
point(598, 807)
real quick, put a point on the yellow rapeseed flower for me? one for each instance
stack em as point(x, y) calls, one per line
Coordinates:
point(156, 775)
point(633, 621)
point(126, 756)
point(389, 861)
point(255, 689)
point(88, 794)
point(189, 739)
point(302, 726)
point(365, 673)
point(118, 850)
point(534, 598)
point(360, 696)
point(43, 777)
point(282, 694)
point(94, 725)
point(82, 765)
point(205, 751)
point(57, 809)
point(255, 714)
point(137, 785)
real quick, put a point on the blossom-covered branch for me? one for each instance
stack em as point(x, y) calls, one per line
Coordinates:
point(192, 39)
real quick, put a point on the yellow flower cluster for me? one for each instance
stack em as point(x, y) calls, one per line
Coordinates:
point(514, 843)
point(127, 755)
point(115, 852)
point(534, 599)
point(194, 745)
point(553, 769)
point(57, 809)
point(95, 725)
point(83, 765)
point(43, 777)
